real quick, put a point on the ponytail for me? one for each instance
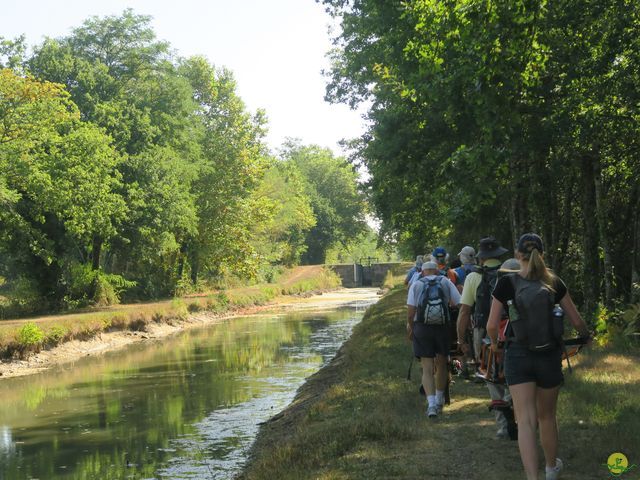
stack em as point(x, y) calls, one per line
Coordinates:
point(538, 269)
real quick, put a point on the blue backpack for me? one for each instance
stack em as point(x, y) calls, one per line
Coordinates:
point(463, 271)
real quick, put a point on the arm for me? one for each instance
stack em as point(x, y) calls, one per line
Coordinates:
point(574, 316)
point(411, 313)
point(454, 294)
point(493, 324)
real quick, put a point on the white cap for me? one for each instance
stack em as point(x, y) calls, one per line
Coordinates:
point(429, 266)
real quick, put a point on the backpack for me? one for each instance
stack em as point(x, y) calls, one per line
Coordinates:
point(534, 320)
point(482, 304)
point(462, 272)
point(433, 308)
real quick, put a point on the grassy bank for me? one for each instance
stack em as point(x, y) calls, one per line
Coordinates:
point(360, 418)
point(20, 338)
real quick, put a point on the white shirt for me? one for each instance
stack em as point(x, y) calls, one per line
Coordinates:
point(414, 277)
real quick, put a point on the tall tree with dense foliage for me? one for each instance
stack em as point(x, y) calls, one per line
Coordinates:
point(501, 117)
point(331, 184)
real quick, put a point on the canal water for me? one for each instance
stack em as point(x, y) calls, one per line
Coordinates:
point(186, 407)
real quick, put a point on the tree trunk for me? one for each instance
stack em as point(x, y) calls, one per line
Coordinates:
point(591, 264)
point(601, 215)
point(95, 253)
point(518, 210)
point(564, 233)
point(194, 260)
point(635, 244)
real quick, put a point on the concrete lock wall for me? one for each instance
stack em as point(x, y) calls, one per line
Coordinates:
point(356, 275)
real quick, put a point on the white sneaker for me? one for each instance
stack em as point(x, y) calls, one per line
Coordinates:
point(554, 472)
point(432, 411)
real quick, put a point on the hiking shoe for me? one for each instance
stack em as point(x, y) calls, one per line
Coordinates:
point(439, 408)
point(553, 473)
point(432, 411)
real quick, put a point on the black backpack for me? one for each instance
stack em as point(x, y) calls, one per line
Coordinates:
point(533, 319)
point(482, 304)
point(433, 306)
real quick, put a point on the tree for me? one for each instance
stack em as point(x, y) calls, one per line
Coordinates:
point(494, 117)
point(332, 187)
point(61, 179)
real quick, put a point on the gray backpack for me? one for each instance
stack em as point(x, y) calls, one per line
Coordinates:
point(433, 308)
point(531, 315)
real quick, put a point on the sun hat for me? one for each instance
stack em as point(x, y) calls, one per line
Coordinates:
point(467, 255)
point(490, 248)
point(510, 265)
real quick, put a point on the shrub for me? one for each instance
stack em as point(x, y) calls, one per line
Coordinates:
point(56, 335)
point(87, 286)
point(179, 309)
point(194, 307)
point(117, 322)
point(30, 335)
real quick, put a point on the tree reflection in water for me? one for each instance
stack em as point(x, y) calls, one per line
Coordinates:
point(187, 407)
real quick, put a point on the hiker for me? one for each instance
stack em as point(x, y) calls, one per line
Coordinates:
point(501, 404)
point(476, 295)
point(415, 269)
point(533, 353)
point(476, 299)
point(467, 258)
point(428, 321)
point(441, 257)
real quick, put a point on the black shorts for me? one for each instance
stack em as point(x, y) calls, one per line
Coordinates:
point(430, 340)
point(521, 365)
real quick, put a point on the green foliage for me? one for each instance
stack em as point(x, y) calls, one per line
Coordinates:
point(56, 335)
point(94, 287)
point(287, 215)
point(501, 118)
point(364, 246)
point(121, 160)
point(631, 319)
point(30, 335)
point(331, 185)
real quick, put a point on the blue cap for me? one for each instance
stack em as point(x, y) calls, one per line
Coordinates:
point(439, 252)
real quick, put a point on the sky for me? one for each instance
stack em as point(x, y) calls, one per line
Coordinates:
point(275, 48)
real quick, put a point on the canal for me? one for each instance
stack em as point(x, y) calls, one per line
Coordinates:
point(186, 407)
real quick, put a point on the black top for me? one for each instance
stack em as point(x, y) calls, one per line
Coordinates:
point(504, 289)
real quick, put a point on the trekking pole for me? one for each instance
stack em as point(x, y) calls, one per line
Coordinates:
point(564, 349)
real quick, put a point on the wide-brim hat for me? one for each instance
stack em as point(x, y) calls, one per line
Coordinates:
point(490, 248)
point(510, 265)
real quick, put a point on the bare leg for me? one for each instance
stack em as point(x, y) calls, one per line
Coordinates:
point(427, 376)
point(547, 399)
point(524, 403)
point(442, 373)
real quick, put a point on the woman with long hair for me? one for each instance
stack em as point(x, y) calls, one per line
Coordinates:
point(534, 375)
